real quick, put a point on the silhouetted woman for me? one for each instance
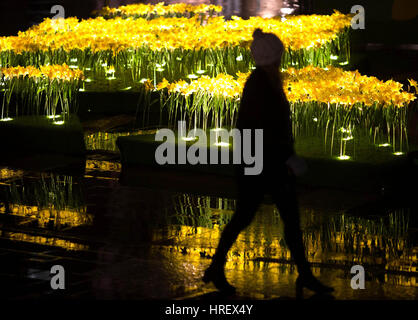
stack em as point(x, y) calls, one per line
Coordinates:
point(264, 106)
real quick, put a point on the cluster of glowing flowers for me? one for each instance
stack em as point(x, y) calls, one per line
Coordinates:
point(413, 83)
point(310, 84)
point(52, 72)
point(116, 35)
point(159, 9)
point(334, 85)
point(296, 32)
point(223, 85)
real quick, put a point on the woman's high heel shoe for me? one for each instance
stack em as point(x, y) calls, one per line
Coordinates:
point(217, 277)
point(311, 283)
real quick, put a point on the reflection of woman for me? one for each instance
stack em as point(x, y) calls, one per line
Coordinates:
point(264, 105)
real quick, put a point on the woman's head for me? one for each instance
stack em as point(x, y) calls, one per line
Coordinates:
point(266, 48)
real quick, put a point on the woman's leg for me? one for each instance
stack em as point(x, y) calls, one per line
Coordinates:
point(249, 198)
point(286, 201)
point(247, 205)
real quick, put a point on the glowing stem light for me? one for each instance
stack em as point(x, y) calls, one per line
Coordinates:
point(88, 80)
point(343, 63)
point(111, 78)
point(6, 119)
point(73, 67)
point(221, 144)
point(58, 123)
point(286, 10)
point(334, 57)
point(53, 116)
point(188, 138)
point(348, 138)
point(343, 157)
point(398, 153)
point(126, 89)
point(383, 145)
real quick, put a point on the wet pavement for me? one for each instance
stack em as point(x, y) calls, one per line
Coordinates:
point(120, 242)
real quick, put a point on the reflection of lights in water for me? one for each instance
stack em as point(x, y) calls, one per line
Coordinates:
point(47, 241)
point(343, 63)
point(100, 165)
point(398, 153)
point(343, 157)
point(65, 217)
point(192, 243)
point(6, 173)
point(111, 78)
point(58, 123)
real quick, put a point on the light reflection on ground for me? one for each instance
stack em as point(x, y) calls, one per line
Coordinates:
point(140, 243)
